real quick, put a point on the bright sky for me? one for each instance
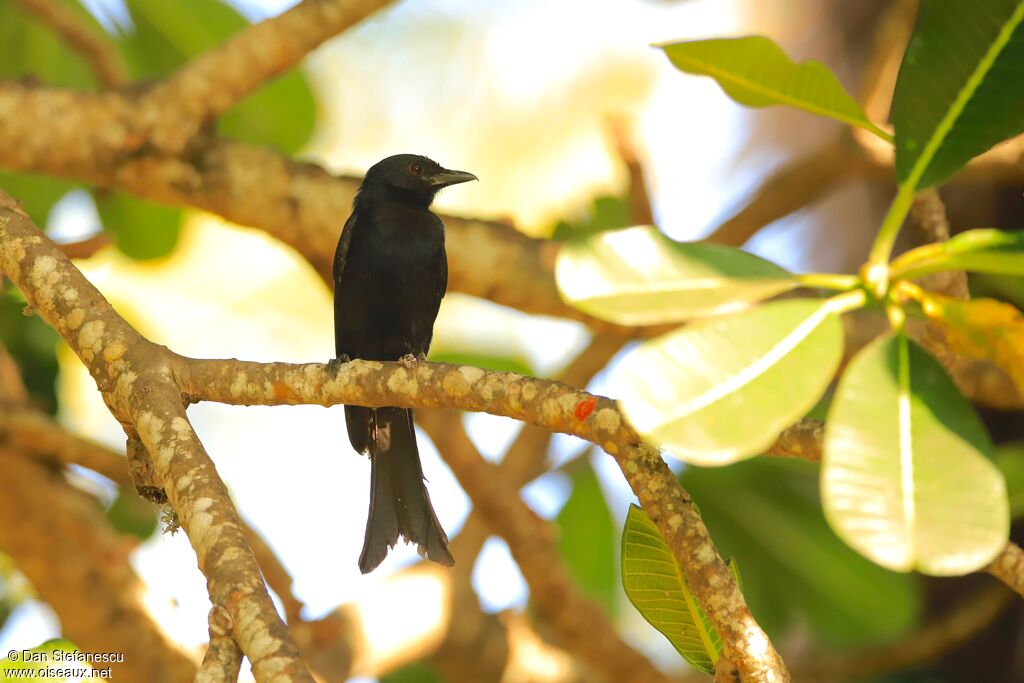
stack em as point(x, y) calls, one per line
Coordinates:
point(517, 92)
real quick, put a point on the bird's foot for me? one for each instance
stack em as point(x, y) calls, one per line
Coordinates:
point(409, 360)
point(334, 365)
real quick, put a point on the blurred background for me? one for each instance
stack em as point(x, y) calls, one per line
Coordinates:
point(551, 103)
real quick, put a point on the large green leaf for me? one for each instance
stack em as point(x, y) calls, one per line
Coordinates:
point(587, 539)
point(766, 514)
point(723, 389)
point(168, 34)
point(638, 276)
point(905, 477)
point(141, 228)
point(959, 88)
point(130, 514)
point(755, 72)
point(657, 587)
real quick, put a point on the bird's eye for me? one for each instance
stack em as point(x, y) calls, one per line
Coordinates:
point(415, 169)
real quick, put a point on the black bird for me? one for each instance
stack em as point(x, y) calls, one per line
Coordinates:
point(390, 273)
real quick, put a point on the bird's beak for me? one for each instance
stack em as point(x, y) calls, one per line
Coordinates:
point(444, 178)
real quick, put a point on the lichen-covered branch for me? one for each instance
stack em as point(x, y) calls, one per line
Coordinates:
point(143, 384)
point(578, 621)
point(136, 382)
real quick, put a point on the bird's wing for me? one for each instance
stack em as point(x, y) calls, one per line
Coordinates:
point(340, 255)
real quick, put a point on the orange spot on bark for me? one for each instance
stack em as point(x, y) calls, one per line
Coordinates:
point(585, 407)
point(281, 392)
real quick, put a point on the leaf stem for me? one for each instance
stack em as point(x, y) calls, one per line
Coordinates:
point(891, 225)
point(836, 281)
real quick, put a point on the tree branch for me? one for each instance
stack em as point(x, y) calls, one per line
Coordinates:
point(96, 48)
point(134, 376)
point(579, 622)
point(143, 384)
point(173, 112)
point(791, 188)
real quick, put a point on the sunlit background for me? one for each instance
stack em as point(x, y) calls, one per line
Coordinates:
point(520, 92)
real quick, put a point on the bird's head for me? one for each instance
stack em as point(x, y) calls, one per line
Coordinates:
point(411, 177)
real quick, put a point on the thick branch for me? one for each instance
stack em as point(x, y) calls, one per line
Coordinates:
point(175, 109)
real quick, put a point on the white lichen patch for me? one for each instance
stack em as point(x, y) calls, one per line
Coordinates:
point(74, 319)
point(184, 482)
point(403, 382)
point(42, 276)
point(182, 429)
point(470, 374)
point(529, 391)
point(114, 351)
point(608, 420)
point(675, 521)
point(70, 295)
point(201, 529)
point(238, 384)
point(90, 339)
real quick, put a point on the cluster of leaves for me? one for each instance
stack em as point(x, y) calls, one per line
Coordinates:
point(907, 478)
point(161, 37)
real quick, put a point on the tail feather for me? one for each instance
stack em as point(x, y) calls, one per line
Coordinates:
point(399, 502)
point(357, 419)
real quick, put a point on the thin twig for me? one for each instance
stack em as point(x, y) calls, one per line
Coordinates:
point(96, 48)
point(175, 109)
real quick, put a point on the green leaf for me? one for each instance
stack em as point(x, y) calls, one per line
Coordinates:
point(517, 365)
point(638, 276)
point(37, 194)
point(167, 34)
point(906, 478)
point(39, 659)
point(587, 540)
point(141, 228)
point(979, 251)
point(606, 213)
point(723, 389)
point(755, 72)
point(959, 87)
point(130, 514)
point(412, 673)
point(656, 586)
point(1010, 461)
point(33, 345)
point(766, 514)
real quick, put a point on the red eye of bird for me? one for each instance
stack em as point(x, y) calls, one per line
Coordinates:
point(415, 169)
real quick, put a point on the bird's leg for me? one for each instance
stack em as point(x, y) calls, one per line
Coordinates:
point(334, 364)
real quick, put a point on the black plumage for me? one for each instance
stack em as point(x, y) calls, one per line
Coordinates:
point(390, 273)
